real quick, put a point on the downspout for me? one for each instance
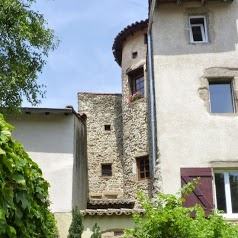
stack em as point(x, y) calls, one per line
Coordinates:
point(152, 94)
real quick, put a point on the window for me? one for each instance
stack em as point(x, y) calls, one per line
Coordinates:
point(143, 167)
point(198, 29)
point(107, 127)
point(106, 170)
point(226, 184)
point(134, 55)
point(137, 81)
point(221, 98)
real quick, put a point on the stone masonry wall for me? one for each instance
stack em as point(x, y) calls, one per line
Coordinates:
point(136, 121)
point(104, 146)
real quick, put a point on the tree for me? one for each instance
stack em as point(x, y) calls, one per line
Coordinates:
point(25, 42)
point(167, 218)
point(24, 203)
point(76, 227)
point(96, 231)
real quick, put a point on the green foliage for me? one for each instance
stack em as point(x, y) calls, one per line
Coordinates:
point(24, 45)
point(96, 231)
point(167, 218)
point(76, 227)
point(24, 204)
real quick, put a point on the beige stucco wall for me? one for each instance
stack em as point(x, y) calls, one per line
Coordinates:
point(107, 224)
point(188, 134)
point(49, 140)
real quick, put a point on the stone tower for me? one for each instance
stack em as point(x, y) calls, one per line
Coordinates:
point(118, 136)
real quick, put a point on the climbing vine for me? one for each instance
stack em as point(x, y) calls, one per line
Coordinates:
point(24, 203)
point(166, 217)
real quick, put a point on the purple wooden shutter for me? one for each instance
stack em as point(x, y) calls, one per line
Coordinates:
point(203, 192)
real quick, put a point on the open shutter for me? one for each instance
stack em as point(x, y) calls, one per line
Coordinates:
point(203, 192)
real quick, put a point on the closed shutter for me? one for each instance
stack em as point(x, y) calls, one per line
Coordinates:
point(203, 191)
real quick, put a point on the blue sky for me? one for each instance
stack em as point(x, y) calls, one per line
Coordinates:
point(84, 62)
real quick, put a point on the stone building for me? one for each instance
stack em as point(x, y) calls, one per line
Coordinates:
point(177, 115)
point(175, 119)
point(118, 138)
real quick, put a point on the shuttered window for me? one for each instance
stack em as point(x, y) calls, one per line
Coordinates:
point(203, 192)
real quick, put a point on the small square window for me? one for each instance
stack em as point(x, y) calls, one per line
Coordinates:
point(226, 184)
point(107, 127)
point(134, 55)
point(143, 167)
point(106, 170)
point(198, 29)
point(221, 98)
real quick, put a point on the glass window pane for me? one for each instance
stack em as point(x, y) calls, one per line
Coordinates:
point(197, 33)
point(221, 98)
point(233, 177)
point(142, 175)
point(197, 20)
point(139, 85)
point(220, 192)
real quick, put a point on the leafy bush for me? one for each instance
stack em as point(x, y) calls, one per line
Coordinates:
point(96, 232)
point(24, 204)
point(167, 218)
point(76, 227)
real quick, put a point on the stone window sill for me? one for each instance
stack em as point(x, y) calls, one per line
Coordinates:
point(136, 101)
point(234, 114)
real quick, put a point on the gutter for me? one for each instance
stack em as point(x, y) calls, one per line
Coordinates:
point(152, 94)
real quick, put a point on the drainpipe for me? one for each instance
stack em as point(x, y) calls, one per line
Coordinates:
point(152, 94)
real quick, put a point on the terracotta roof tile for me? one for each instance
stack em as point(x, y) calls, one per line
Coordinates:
point(121, 37)
point(109, 212)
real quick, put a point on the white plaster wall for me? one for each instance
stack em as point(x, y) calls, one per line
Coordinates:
point(134, 43)
point(49, 141)
point(188, 135)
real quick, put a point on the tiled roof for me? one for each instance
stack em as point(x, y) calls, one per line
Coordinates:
point(110, 203)
point(121, 37)
point(109, 212)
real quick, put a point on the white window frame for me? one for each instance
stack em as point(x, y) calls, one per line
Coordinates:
point(229, 213)
point(232, 93)
point(203, 29)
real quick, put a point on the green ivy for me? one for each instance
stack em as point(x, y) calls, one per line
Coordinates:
point(24, 203)
point(165, 217)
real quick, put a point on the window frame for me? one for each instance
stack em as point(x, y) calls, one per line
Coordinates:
point(133, 82)
point(203, 28)
point(224, 81)
point(133, 76)
point(229, 213)
point(144, 168)
point(103, 174)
